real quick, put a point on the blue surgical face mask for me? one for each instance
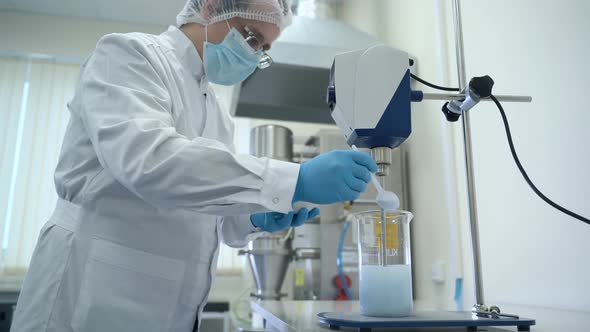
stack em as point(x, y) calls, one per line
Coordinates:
point(231, 61)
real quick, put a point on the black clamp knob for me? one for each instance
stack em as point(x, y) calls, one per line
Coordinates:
point(482, 86)
point(451, 116)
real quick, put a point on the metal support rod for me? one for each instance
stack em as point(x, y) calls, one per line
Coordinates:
point(462, 76)
point(455, 96)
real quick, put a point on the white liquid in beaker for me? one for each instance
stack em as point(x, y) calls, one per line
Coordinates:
point(386, 291)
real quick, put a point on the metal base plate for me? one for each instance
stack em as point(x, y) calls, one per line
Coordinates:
point(422, 319)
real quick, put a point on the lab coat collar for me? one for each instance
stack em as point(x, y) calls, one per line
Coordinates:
point(186, 51)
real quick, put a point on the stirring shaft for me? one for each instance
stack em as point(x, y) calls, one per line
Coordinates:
point(383, 238)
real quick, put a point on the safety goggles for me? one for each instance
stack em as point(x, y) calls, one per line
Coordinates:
point(256, 44)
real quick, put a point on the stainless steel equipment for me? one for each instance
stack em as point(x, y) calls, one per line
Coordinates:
point(471, 197)
point(307, 273)
point(307, 243)
point(269, 256)
point(272, 141)
point(382, 156)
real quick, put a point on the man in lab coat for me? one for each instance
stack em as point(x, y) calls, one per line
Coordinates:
point(149, 183)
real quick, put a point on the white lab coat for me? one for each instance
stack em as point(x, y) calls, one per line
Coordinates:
point(147, 180)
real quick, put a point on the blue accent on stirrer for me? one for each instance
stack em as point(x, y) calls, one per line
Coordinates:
point(395, 125)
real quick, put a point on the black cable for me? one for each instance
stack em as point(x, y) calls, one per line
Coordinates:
point(524, 173)
point(434, 86)
point(513, 152)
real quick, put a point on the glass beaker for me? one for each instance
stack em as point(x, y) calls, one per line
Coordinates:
point(385, 273)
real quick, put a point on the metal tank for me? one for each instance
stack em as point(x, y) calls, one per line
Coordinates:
point(269, 256)
point(272, 141)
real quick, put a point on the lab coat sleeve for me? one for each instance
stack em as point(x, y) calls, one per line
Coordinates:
point(237, 231)
point(127, 112)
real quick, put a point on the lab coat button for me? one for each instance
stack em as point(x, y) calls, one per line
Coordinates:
point(275, 200)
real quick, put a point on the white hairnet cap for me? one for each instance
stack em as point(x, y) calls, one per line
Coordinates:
point(210, 11)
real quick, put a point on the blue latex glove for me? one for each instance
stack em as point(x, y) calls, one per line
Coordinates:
point(275, 221)
point(335, 176)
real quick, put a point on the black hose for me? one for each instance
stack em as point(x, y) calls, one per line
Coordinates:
point(434, 86)
point(524, 173)
point(513, 152)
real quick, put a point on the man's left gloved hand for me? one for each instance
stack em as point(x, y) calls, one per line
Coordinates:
point(275, 221)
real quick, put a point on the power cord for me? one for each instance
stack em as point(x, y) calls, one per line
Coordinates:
point(513, 152)
point(524, 173)
point(434, 86)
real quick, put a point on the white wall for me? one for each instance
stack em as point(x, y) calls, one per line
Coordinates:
point(58, 36)
point(532, 254)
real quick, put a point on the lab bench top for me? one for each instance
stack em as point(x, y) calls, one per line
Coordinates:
point(287, 316)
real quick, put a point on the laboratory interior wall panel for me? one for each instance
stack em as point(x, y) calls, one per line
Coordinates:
point(532, 253)
point(59, 36)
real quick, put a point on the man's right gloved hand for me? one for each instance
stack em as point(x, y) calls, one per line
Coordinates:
point(335, 176)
